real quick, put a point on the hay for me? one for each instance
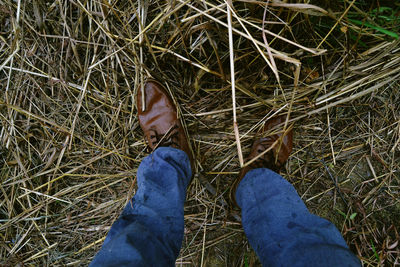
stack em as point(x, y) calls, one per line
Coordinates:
point(71, 142)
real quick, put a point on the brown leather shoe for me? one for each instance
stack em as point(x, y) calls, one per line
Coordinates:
point(159, 121)
point(274, 158)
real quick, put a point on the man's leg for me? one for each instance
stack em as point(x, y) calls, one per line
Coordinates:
point(149, 231)
point(280, 228)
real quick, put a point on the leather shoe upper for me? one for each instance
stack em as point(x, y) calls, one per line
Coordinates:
point(159, 120)
point(275, 158)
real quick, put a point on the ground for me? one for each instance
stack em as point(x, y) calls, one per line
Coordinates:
point(71, 142)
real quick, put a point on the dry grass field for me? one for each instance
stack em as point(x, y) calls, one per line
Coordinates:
point(70, 142)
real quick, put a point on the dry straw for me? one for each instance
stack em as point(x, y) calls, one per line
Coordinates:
point(71, 142)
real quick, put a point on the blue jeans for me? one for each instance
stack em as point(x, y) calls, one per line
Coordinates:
point(278, 225)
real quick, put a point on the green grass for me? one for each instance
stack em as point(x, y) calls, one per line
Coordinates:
point(374, 250)
point(377, 28)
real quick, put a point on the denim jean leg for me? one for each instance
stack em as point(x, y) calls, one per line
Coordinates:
point(149, 231)
point(280, 228)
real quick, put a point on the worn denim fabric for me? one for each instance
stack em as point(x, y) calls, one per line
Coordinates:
point(280, 228)
point(149, 231)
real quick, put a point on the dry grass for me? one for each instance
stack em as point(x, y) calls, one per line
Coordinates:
point(71, 143)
